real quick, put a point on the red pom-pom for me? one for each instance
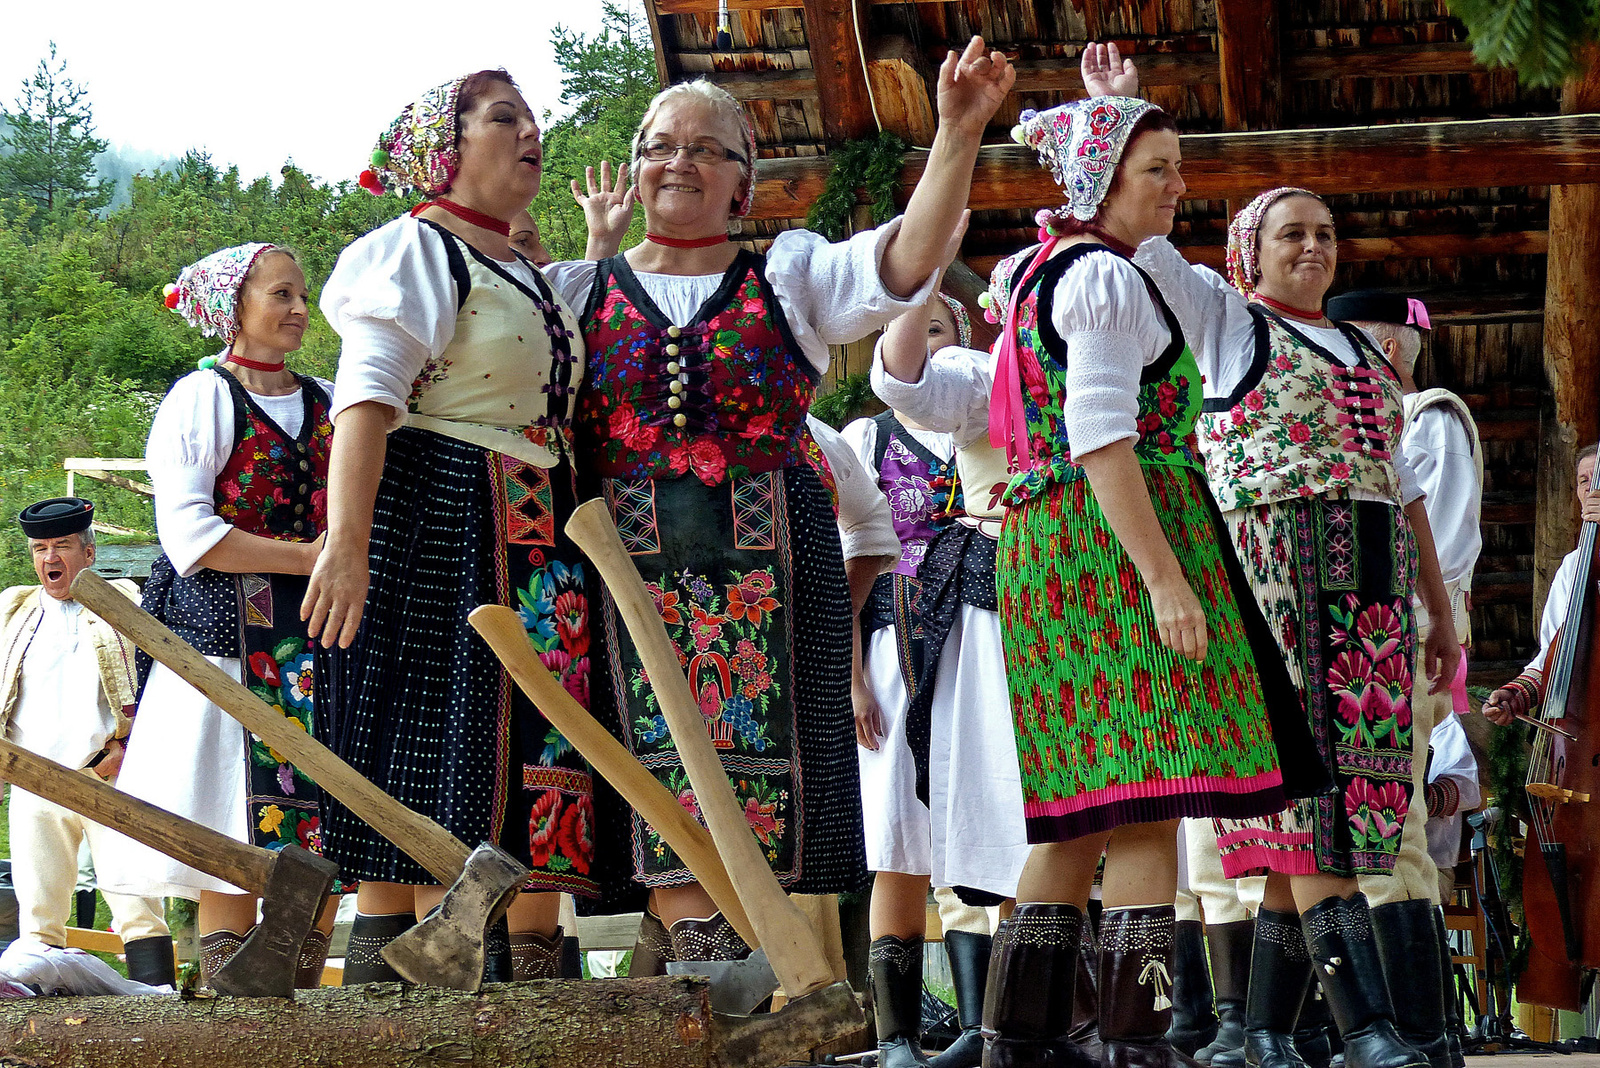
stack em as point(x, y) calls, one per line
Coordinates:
point(370, 182)
point(171, 300)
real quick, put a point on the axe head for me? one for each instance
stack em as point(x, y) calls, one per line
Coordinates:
point(296, 890)
point(446, 949)
point(737, 986)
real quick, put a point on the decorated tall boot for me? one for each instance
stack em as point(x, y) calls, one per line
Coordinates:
point(1135, 988)
point(1280, 974)
point(1315, 1036)
point(1409, 949)
point(740, 981)
point(1084, 1032)
point(1194, 1018)
point(969, 954)
point(533, 956)
point(1231, 945)
point(1027, 1009)
point(217, 949)
point(1345, 957)
point(313, 960)
point(895, 966)
point(652, 948)
point(363, 960)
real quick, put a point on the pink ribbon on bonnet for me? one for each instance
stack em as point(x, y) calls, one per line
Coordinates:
point(1417, 314)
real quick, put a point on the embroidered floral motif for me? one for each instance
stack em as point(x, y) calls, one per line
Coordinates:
point(554, 607)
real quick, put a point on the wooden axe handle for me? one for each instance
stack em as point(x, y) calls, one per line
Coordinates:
point(503, 630)
point(219, 856)
point(435, 848)
point(793, 948)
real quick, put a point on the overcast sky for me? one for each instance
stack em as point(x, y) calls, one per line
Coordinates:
point(256, 83)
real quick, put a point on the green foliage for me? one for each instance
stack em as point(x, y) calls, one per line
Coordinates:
point(1540, 39)
point(51, 145)
point(607, 80)
point(872, 163)
point(850, 399)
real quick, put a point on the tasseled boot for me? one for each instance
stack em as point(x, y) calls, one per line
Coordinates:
point(1409, 950)
point(1231, 945)
point(1194, 1020)
point(1314, 1035)
point(969, 954)
point(1280, 973)
point(895, 966)
point(151, 960)
point(1135, 985)
point(217, 949)
point(652, 948)
point(313, 959)
point(1454, 1028)
point(363, 960)
point(1027, 1008)
point(533, 956)
point(1345, 955)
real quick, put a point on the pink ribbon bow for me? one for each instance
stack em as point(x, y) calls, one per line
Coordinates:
point(1008, 417)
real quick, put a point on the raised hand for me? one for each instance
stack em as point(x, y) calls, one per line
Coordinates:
point(1106, 73)
point(971, 86)
point(607, 209)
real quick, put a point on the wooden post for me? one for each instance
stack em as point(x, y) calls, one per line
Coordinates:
point(1251, 55)
point(1571, 350)
point(836, 59)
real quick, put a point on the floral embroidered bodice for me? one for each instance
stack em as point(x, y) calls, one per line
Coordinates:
point(720, 397)
point(274, 485)
point(918, 485)
point(1302, 424)
point(1169, 389)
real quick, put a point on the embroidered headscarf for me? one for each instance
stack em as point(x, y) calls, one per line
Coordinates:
point(207, 293)
point(1244, 232)
point(1081, 143)
point(958, 315)
point(418, 150)
point(725, 103)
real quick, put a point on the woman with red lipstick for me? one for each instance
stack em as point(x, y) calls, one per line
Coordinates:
point(451, 478)
point(238, 455)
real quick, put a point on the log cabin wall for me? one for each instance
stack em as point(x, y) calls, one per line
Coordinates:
point(1476, 255)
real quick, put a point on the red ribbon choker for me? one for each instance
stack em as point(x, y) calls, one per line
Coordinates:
point(1278, 305)
point(254, 365)
point(688, 242)
point(466, 214)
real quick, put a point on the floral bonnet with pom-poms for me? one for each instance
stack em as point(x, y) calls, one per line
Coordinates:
point(207, 293)
point(418, 150)
point(1244, 229)
point(958, 314)
point(1081, 143)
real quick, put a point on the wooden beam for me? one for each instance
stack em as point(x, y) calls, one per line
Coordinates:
point(837, 66)
point(701, 7)
point(896, 72)
point(1571, 347)
point(1155, 68)
point(663, 72)
point(1381, 61)
point(1360, 159)
point(1250, 52)
point(767, 84)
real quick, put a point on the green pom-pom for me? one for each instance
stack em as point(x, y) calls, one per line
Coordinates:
point(207, 362)
point(984, 299)
point(379, 157)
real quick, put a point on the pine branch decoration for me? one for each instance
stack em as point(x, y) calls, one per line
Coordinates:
point(1540, 39)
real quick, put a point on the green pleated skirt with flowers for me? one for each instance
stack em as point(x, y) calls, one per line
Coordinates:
point(1112, 727)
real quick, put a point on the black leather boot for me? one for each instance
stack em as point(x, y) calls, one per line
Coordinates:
point(1135, 986)
point(969, 969)
point(712, 938)
point(1194, 1018)
point(83, 908)
point(497, 952)
point(1345, 955)
point(1027, 1008)
point(1315, 1034)
point(1409, 950)
point(1084, 1034)
point(652, 948)
point(1231, 945)
point(151, 960)
point(313, 959)
point(533, 956)
point(571, 964)
point(363, 959)
point(895, 967)
point(1454, 1029)
point(1280, 973)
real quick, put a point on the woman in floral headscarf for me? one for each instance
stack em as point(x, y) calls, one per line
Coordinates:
point(238, 456)
point(450, 482)
point(1144, 683)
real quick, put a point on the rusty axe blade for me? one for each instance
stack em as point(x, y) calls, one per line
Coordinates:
point(293, 897)
point(446, 948)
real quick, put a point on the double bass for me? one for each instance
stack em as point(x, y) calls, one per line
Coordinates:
point(1561, 863)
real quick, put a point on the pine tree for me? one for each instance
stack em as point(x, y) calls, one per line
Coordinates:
point(52, 146)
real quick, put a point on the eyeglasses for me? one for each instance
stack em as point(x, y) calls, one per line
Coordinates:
point(707, 152)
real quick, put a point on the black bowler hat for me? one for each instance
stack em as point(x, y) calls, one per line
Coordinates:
point(1378, 306)
point(56, 517)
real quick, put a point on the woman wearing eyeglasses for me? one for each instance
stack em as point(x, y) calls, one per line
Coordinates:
point(704, 359)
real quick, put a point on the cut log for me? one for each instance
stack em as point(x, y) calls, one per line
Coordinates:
point(1359, 159)
point(900, 90)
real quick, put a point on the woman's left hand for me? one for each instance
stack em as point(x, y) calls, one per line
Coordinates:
point(972, 85)
point(1106, 73)
point(1441, 656)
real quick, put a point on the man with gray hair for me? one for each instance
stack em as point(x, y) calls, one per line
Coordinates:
point(66, 693)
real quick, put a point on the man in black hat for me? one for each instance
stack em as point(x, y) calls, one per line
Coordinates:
point(67, 692)
point(1441, 443)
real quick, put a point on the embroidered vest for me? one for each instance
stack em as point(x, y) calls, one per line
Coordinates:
point(720, 397)
point(273, 485)
point(507, 378)
point(819, 463)
point(983, 474)
point(1169, 389)
point(918, 485)
point(1302, 424)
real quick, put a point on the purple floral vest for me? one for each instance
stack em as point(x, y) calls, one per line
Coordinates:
point(918, 485)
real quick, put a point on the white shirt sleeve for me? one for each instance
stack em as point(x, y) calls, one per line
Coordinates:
point(392, 300)
point(191, 439)
point(1438, 449)
point(1112, 329)
point(866, 526)
point(1453, 759)
point(1556, 603)
point(951, 397)
point(573, 279)
point(1214, 316)
point(832, 292)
